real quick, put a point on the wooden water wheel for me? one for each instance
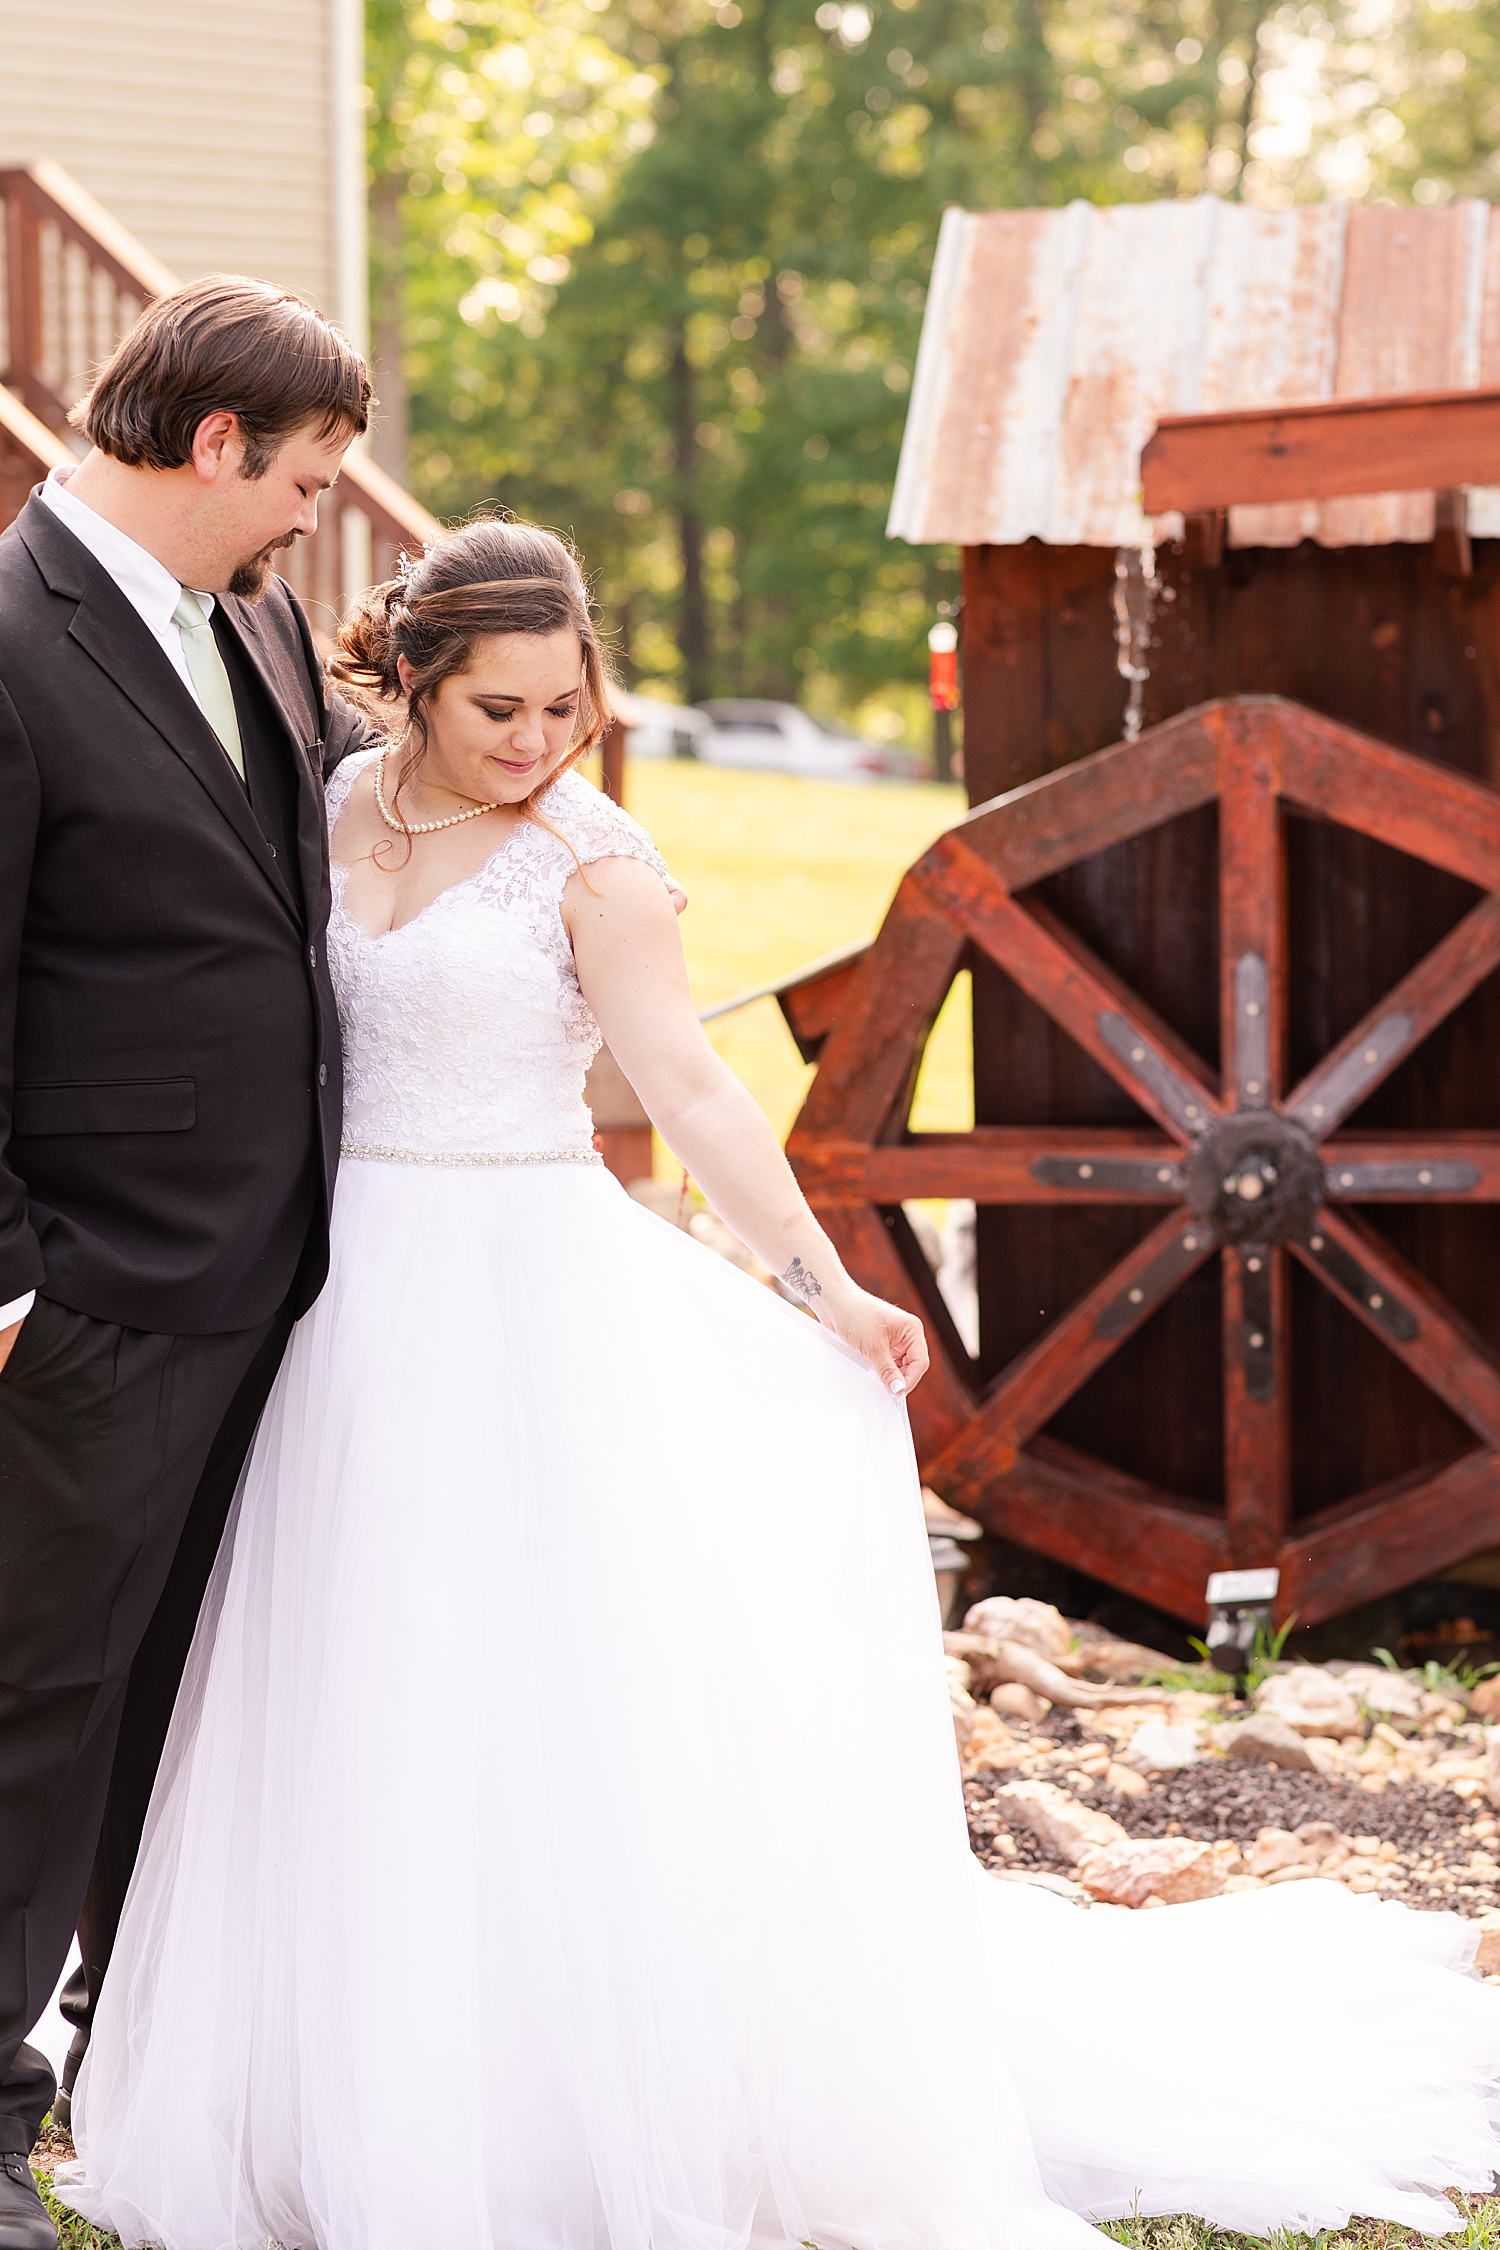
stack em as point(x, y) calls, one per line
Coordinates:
point(1248, 1170)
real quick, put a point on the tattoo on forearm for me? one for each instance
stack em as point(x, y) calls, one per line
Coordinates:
point(802, 1283)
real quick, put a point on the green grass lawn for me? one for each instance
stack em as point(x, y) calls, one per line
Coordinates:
point(779, 871)
point(1480, 2230)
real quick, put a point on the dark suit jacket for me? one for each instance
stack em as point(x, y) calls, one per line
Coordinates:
point(170, 1092)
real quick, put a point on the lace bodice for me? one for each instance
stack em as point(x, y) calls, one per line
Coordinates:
point(465, 1031)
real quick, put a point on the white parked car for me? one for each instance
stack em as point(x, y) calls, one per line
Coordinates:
point(662, 730)
point(780, 738)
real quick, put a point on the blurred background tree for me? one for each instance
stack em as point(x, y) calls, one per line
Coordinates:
point(653, 270)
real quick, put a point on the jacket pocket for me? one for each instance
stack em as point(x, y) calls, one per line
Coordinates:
point(106, 1105)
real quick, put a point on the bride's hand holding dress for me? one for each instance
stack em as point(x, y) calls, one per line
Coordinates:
point(631, 972)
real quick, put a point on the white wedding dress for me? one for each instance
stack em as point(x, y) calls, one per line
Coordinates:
point(560, 1845)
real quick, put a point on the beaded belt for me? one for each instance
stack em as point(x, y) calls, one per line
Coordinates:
point(380, 1155)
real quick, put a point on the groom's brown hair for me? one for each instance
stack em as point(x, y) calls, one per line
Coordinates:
point(224, 345)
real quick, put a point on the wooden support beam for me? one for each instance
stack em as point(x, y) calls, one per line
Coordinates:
point(1424, 441)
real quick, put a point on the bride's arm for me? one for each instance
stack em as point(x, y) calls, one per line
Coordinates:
point(630, 966)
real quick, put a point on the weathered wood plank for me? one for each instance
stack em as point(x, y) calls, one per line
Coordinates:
point(1257, 1403)
point(1409, 803)
point(1382, 1540)
point(1396, 1025)
point(1067, 1352)
point(1097, 1519)
point(1444, 1352)
point(1328, 450)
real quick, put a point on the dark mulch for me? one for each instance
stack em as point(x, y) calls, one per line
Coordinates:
point(1226, 1798)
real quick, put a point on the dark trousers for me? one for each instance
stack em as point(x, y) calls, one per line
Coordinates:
point(119, 1456)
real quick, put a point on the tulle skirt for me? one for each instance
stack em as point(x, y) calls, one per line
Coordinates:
point(560, 1844)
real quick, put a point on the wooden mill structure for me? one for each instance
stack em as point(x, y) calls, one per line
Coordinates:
point(1236, 1012)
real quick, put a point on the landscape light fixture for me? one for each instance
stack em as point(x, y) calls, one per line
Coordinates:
point(1239, 1603)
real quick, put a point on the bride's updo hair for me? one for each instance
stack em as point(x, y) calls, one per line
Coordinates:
point(491, 577)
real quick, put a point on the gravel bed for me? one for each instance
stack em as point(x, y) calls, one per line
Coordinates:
point(1431, 1829)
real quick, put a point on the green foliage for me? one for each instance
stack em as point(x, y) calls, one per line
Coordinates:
point(1455, 1680)
point(654, 270)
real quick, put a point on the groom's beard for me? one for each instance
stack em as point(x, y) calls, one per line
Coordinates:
point(250, 578)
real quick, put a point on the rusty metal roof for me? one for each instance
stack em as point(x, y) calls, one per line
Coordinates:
point(1055, 339)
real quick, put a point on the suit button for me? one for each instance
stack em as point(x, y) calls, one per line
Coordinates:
point(322, 1074)
point(312, 955)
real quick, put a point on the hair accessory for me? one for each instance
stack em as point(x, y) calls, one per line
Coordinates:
point(404, 568)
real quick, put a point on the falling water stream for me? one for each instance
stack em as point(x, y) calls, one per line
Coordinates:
point(1136, 590)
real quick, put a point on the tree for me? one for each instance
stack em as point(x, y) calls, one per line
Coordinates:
point(663, 262)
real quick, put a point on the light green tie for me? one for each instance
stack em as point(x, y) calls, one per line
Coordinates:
point(206, 671)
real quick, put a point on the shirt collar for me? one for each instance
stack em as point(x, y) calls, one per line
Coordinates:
point(147, 585)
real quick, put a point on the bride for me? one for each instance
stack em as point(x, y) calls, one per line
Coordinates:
point(560, 1846)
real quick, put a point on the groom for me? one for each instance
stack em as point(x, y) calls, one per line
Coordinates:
point(169, 1074)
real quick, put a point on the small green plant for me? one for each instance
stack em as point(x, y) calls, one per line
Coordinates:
point(1455, 1680)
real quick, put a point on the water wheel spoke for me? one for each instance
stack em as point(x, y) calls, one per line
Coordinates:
point(1252, 917)
point(1400, 1022)
point(995, 1164)
point(1412, 1168)
point(1062, 1359)
point(1257, 1401)
point(1079, 992)
point(1410, 1317)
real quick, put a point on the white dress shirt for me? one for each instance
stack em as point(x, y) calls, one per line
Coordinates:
point(153, 593)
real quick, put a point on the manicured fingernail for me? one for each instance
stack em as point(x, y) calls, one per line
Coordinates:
point(898, 1386)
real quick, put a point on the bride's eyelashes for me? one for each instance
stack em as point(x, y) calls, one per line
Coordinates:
point(567, 710)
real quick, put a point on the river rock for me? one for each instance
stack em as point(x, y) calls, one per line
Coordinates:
point(1391, 1695)
point(1484, 1703)
point(1013, 1701)
point(989, 1746)
point(1275, 1848)
point(1492, 1765)
point(1170, 1868)
point(1310, 1701)
point(1270, 1742)
point(1155, 1748)
point(1035, 1625)
point(1068, 1828)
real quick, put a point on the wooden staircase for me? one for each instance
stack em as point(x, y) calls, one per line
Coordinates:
point(72, 281)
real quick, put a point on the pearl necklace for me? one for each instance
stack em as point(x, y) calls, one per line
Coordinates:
point(418, 827)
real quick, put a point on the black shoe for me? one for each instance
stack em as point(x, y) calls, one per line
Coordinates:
point(24, 2224)
point(62, 2107)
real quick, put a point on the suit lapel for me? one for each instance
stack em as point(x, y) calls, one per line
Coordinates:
point(114, 636)
point(107, 627)
point(291, 699)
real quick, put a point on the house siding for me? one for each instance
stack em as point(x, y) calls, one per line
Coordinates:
point(205, 127)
